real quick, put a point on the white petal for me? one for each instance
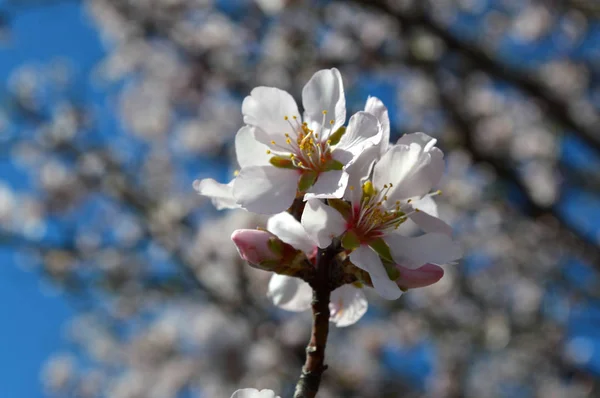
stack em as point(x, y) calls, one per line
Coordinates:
point(330, 184)
point(422, 139)
point(221, 195)
point(265, 189)
point(409, 169)
point(290, 294)
point(266, 109)
point(325, 92)
point(358, 170)
point(363, 130)
point(428, 144)
point(348, 304)
point(435, 248)
point(375, 107)
point(429, 223)
point(249, 151)
point(289, 230)
point(366, 259)
point(254, 393)
point(322, 223)
point(425, 204)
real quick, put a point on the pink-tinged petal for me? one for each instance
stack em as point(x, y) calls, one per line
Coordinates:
point(330, 184)
point(366, 259)
point(265, 189)
point(266, 108)
point(290, 294)
point(254, 393)
point(348, 304)
point(252, 245)
point(289, 230)
point(376, 108)
point(221, 195)
point(249, 151)
point(425, 275)
point(433, 248)
point(363, 131)
point(322, 223)
point(325, 92)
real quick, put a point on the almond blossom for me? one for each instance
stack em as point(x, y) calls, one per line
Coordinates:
point(348, 302)
point(367, 223)
point(284, 155)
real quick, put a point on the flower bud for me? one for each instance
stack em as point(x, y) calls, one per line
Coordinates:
point(425, 275)
point(257, 246)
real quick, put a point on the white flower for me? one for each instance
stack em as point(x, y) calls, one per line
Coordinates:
point(249, 152)
point(369, 224)
point(254, 393)
point(293, 154)
point(348, 303)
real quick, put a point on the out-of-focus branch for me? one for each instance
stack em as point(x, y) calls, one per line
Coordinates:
point(556, 107)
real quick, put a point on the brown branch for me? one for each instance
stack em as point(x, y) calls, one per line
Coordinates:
point(313, 369)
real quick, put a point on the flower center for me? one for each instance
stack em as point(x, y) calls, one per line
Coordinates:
point(305, 147)
point(374, 216)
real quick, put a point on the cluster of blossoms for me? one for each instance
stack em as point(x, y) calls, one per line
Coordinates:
point(335, 187)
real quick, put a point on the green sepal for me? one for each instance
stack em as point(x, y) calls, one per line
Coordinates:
point(382, 249)
point(276, 246)
point(307, 180)
point(343, 207)
point(392, 272)
point(267, 265)
point(282, 162)
point(333, 164)
point(335, 138)
point(350, 240)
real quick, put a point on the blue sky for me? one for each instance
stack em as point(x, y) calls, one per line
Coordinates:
point(33, 314)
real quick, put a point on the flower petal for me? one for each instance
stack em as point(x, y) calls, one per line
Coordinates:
point(221, 195)
point(425, 275)
point(330, 184)
point(433, 248)
point(363, 130)
point(289, 230)
point(348, 304)
point(249, 151)
point(425, 204)
point(265, 189)
point(409, 169)
point(358, 170)
point(429, 223)
point(366, 259)
point(322, 223)
point(254, 393)
point(325, 92)
point(376, 108)
point(266, 109)
point(419, 138)
point(290, 294)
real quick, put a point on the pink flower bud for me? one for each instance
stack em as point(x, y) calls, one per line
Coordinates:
point(425, 275)
point(257, 246)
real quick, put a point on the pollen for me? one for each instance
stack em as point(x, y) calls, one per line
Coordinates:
point(268, 151)
point(285, 118)
point(324, 112)
point(331, 122)
point(236, 172)
point(272, 142)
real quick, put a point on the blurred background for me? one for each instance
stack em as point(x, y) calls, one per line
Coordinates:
point(118, 281)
